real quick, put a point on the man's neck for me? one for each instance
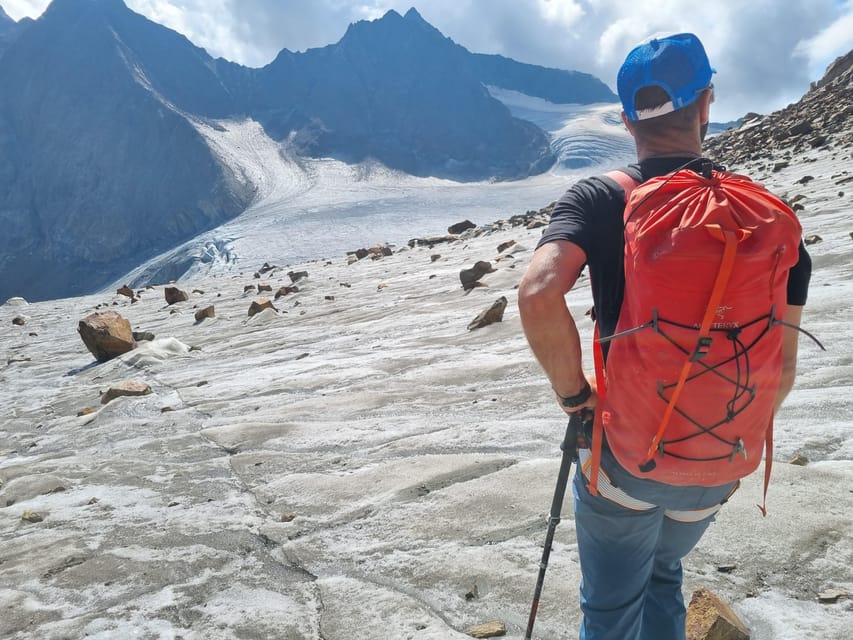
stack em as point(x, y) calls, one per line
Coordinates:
point(646, 151)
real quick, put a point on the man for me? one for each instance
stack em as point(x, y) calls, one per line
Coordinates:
point(633, 535)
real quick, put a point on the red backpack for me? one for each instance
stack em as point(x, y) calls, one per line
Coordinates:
point(696, 359)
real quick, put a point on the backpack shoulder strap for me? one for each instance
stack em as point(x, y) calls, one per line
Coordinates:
point(626, 183)
point(624, 180)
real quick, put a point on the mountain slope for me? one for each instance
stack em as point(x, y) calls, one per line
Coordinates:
point(555, 85)
point(822, 118)
point(104, 159)
point(397, 90)
point(98, 169)
point(10, 30)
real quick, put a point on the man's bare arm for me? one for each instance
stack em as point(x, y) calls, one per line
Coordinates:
point(548, 325)
point(790, 338)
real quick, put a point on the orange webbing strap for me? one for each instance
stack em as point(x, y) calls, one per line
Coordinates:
point(768, 465)
point(597, 424)
point(628, 184)
point(731, 240)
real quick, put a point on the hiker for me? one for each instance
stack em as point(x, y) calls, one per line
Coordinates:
point(632, 530)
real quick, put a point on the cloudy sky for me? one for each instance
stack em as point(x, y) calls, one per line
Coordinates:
point(766, 52)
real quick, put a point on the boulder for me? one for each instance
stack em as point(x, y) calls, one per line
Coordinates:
point(469, 276)
point(125, 291)
point(487, 630)
point(127, 388)
point(459, 227)
point(173, 295)
point(207, 312)
point(259, 305)
point(283, 291)
point(296, 276)
point(431, 240)
point(493, 314)
point(709, 618)
point(19, 321)
point(379, 251)
point(106, 335)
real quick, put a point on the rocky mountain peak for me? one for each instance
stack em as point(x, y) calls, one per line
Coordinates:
point(65, 9)
point(393, 28)
point(5, 20)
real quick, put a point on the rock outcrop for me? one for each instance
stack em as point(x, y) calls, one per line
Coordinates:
point(823, 117)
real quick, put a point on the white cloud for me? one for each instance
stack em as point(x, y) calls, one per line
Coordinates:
point(17, 9)
point(766, 52)
point(831, 42)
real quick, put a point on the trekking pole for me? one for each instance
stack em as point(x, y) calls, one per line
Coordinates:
point(569, 448)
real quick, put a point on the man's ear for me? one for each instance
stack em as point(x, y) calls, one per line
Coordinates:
point(627, 123)
point(705, 101)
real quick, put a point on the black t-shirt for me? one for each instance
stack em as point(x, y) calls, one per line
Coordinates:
point(590, 215)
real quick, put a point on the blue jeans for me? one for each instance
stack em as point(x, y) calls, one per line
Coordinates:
point(630, 556)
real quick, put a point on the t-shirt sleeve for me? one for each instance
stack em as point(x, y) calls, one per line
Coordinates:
point(570, 217)
point(799, 277)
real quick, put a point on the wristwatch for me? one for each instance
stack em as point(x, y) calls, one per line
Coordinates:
point(577, 400)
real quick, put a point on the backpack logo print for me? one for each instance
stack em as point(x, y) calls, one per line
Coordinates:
point(721, 319)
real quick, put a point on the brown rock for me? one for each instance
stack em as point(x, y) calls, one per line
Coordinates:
point(431, 241)
point(459, 227)
point(264, 287)
point(493, 314)
point(812, 239)
point(469, 276)
point(259, 305)
point(31, 516)
point(709, 618)
point(285, 291)
point(799, 460)
point(19, 321)
point(127, 388)
point(296, 276)
point(207, 312)
point(106, 335)
point(266, 268)
point(487, 630)
point(831, 596)
point(173, 295)
point(249, 287)
point(505, 245)
point(380, 250)
point(803, 126)
point(125, 291)
point(85, 412)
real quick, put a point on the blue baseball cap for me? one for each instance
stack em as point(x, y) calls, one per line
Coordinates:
point(677, 64)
